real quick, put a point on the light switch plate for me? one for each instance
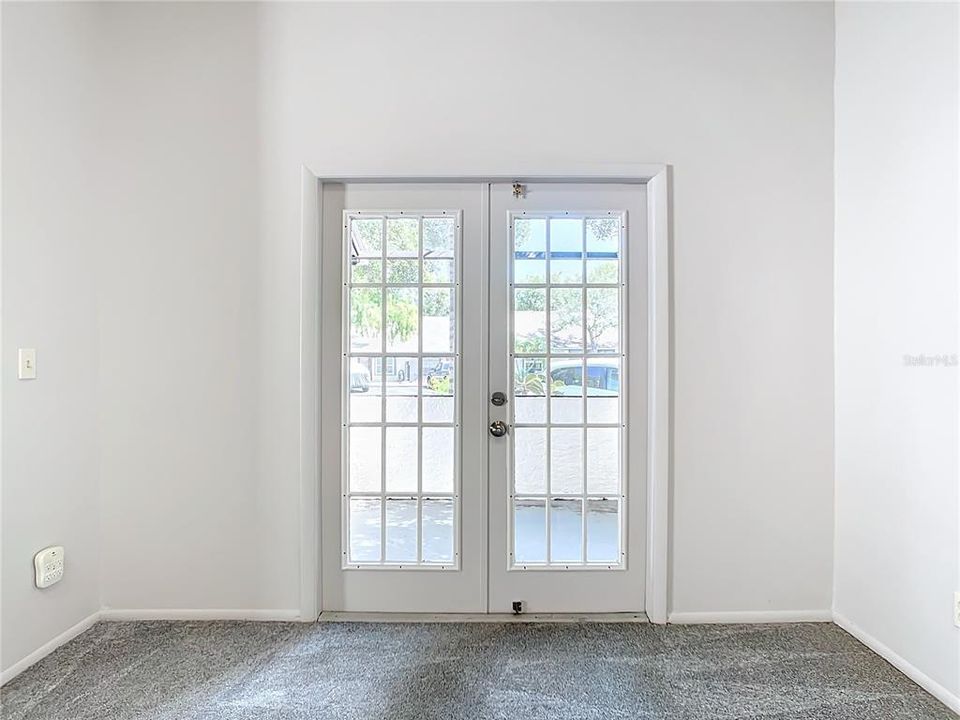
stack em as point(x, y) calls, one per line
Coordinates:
point(48, 564)
point(27, 364)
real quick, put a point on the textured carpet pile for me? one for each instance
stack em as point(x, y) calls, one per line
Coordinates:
point(470, 671)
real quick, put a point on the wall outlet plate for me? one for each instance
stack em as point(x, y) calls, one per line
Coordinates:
point(48, 564)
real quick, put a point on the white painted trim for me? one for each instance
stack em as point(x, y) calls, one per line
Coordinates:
point(340, 617)
point(659, 393)
point(659, 430)
point(907, 668)
point(567, 173)
point(115, 614)
point(41, 652)
point(311, 212)
point(750, 617)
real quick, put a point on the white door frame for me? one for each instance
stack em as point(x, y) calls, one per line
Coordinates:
point(657, 178)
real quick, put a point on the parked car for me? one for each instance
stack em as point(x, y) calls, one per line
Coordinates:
point(359, 378)
point(434, 376)
point(603, 378)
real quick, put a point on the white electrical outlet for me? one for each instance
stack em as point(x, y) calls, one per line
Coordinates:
point(48, 564)
point(956, 609)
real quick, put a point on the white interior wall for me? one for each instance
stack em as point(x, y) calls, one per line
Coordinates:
point(737, 97)
point(182, 490)
point(49, 429)
point(209, 113)
point(898, 510)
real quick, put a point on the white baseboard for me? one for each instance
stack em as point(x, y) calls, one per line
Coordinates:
point(750, 617)
point(922, 679)
point(41, 652)
point(117, 614)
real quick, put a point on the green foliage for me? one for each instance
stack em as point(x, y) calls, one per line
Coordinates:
point(367, 271)
point(533, 383)
point(403, 240)
point(529, 234)
point(402, 271)
point(436, 302)
point(530, 299)
point(401, 313)
point(368, 234)
point(438, 235)
point(403, 236)
point(365, 310)
point(531, 344)
point(442, 384)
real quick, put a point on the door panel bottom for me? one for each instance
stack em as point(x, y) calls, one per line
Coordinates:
point(379, 617)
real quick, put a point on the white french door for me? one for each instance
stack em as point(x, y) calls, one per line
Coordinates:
point(483, 398)
point(567, 349)
point(403, 495)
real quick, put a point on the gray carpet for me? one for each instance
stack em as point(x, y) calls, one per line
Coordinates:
point(480, 671)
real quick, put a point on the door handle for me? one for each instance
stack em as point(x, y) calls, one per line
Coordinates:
point(498, 428)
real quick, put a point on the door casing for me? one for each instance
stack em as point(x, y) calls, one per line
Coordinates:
point(657, 179)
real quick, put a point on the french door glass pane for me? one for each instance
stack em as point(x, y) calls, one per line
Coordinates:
point(566, 391)
point(402, 237)
point(366, 319)
point(603, 250)
point(401, 389)
point(603, 390)
point(566, 250)
point(438, 535)
point(566, 530)
point(530, 531)
point(530, 461)
point(403, 327)
point(401, 532)
point(566, 320)
point(603, 319)
point(402, 464)
point(402, 384)
point(365, 459)
point(438, 271)
point(439, 325)
point(566, 328)
point(603, 460)
point(566, 461)
point(403, 271)
point(367, 271)
point(439, 237)
point(439, 385)
point(530, 389)
point(364, 530)
point(438, 450)
point(603, 531)
point(366, 237)
point(366, 403)
point(530, 320)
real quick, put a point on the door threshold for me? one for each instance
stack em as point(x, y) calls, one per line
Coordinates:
point(386, 617)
